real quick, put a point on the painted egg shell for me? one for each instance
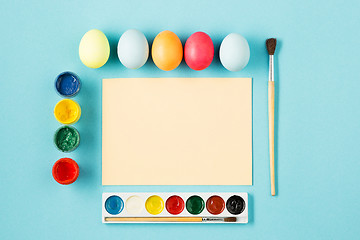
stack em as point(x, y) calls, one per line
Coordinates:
point(133, 49)
point(199, 51)
point(167, 51)
point(234, 52)
point(94, 49)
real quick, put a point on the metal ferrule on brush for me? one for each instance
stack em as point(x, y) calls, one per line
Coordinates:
point(271, 68)
point(208, 219)
point(219, 219)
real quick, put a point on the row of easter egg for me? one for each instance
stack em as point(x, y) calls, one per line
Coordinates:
point(167, 51)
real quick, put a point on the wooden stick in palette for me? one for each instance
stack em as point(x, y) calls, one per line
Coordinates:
point(170, 219)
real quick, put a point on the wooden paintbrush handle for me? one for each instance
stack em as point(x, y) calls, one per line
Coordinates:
point(153, 219)
point(271, 106)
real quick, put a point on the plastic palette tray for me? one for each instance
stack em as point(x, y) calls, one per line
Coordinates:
point(242, 217)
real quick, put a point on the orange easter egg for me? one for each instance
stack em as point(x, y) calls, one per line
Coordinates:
point(167, 51)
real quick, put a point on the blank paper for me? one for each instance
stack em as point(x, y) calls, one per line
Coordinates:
point(177, 131)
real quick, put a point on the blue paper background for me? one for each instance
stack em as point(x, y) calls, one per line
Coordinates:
point(318, 132)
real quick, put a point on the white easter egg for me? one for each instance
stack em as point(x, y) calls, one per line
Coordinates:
point(234, 52)
point(133, 49)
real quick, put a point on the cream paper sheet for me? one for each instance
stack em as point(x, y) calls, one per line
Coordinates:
point(177, 131)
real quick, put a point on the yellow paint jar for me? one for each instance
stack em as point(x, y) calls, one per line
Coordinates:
point(154, 205)
point(67, 111)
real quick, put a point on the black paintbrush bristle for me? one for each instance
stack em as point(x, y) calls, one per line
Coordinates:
point(271, 45)
point(230, 219)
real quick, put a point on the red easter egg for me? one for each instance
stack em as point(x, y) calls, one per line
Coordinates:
point(199, 51)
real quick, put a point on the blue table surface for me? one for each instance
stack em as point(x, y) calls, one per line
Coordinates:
point(318, 126)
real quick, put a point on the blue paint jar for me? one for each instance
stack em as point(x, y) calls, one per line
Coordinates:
point(67, 84)
point(114, 205)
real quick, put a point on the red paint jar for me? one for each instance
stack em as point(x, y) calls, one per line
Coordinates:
point(175, 205)
point(65, 171)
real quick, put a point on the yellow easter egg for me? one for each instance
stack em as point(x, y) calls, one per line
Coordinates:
point(167, 51)
point(94, 49)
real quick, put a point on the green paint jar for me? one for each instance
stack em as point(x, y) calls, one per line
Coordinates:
point(67, 138)
point(195, 205)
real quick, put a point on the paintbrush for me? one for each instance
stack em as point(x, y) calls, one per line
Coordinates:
point(170, 219)
point(270, 46)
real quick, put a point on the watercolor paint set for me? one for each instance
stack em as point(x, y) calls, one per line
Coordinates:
point(175, 207)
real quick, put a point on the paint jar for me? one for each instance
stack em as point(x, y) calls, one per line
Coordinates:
point(65, 171)
point(154, 205)
point(67, 84)
point(67, 138)
point(114, 205)
point(67, 111)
